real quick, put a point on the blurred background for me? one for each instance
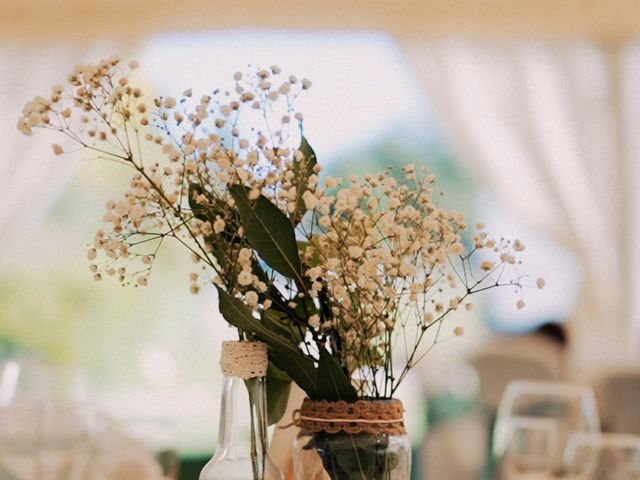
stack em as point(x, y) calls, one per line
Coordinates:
point(528, 112)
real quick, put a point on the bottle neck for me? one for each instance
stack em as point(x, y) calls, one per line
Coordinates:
point(243, 430)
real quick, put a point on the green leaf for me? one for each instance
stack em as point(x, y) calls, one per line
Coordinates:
point(269, 232)
point(302, 169)
point(238, 314)
point(272, 293)
point(308, 152)
point(332, 382)
point(301, 369)
point(281, 323)
point(285, 354)
point(278, 388)
point(353, 457)
point(199, 211)
point(277, 301)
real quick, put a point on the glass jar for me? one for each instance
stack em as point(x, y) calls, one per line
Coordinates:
point(242, 436)
point(352, 441)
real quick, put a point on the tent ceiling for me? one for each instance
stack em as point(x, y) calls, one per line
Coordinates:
point(603, 20)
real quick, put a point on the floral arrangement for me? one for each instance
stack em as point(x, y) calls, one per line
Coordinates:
point(337, 277)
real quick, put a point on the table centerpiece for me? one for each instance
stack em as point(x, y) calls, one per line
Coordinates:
point(333, 275)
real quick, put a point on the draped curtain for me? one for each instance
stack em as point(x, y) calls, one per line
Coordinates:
point(553, 129)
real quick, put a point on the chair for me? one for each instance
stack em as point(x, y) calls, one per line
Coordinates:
point(621, 395)
point(497, 370)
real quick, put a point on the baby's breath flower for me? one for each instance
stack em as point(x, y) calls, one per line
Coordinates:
point(245, 278)
point(284, 89)
point(457, 248)
point(507, 258)
point(314, 321)
point(219, 225)
point(310, 201)
point(487, 265)
point(325, 221)
point(169, 102)
point(251, 298)
point(518, 246)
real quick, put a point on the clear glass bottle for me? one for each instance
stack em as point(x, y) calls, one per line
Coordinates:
point(376, 449)
point(242, 437)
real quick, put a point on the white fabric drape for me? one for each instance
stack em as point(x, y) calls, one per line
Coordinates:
point(548, 127)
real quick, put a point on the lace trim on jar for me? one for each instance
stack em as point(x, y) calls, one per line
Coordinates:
point(361, 416)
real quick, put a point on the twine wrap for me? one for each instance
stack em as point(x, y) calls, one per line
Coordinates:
point(244, 359)
point(361, 416)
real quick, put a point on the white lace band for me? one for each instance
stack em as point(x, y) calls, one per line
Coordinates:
point(244, 359)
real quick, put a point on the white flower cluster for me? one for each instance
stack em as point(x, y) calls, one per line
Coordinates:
point(386, 255)
point(385, 245)
point(377, 254)
point(198, 152)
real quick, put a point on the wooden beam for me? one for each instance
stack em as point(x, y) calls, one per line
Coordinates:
point(38, 20)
